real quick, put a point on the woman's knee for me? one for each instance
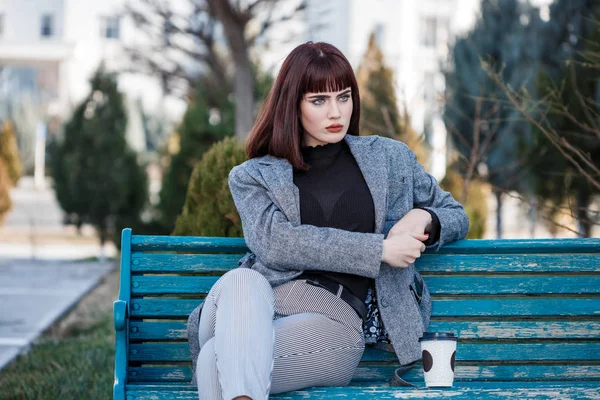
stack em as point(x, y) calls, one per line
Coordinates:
point(207, 375)
point(241, 278)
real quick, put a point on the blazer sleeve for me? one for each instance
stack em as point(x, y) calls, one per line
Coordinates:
point(427, 194)
point(282, 245)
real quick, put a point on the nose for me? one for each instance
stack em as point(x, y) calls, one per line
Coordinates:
point(334, 110)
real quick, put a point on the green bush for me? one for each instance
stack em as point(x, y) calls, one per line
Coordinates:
point(475, 204)
point(209, 209)
point(9, 152)
point(5, 184)
point(195, 135)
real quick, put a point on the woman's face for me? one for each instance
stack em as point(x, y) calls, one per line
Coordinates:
point(325, 117)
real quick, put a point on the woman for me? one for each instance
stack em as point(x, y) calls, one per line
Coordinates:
point(334, 223)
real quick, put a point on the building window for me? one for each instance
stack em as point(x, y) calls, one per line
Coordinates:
point(429, 31)
point(111, 27)
point(47, 25)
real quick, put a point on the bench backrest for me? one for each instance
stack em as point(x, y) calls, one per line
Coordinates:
point(523, 309)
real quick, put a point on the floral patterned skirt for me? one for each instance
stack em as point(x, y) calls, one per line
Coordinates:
point(373, 329)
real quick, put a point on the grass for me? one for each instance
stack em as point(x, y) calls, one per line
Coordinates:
point(79, 366)
point(74, 359)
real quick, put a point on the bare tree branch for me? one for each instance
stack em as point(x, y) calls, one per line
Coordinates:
point(570, 152)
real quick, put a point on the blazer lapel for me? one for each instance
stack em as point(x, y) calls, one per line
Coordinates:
point(374, 169)
point(279, 178)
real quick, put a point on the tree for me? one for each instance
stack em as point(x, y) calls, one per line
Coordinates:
point(379, 112)
point(564, 113)
point(98, 179)
point(379, 108)
point(9, 152)
point(471, 196)
point(182, 43)
point(486, 131)
point(209, 209)
point(5, 184)
point(209, 119)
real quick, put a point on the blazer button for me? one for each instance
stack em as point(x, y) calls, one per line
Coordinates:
point(383, 302)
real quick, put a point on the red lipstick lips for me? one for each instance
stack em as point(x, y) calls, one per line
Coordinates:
point(335, 128)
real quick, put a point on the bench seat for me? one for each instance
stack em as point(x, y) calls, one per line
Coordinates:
point(527, 313)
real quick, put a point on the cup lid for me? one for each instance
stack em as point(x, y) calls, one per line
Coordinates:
point(438, 336)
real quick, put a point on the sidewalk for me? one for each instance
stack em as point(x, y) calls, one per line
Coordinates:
point(42, 275)
point(34, 294)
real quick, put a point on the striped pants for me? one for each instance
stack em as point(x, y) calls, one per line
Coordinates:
point(257, 340)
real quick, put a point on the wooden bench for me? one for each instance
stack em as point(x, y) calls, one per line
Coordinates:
point(527, 313)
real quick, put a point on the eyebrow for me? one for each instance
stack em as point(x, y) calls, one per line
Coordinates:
point(323, 96)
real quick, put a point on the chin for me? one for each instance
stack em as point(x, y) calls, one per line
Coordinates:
point(334, 137)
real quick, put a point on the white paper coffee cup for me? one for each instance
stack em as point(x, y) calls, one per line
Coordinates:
point(439, 354)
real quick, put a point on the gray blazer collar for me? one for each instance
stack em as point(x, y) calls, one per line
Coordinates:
point(279, 178)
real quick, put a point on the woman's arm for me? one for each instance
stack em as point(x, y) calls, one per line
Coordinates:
point(281, 245)
point(428, 195)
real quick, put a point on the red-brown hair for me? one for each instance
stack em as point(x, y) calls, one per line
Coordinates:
point(310, 67)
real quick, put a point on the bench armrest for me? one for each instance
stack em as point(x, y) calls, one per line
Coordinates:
point(120, 315)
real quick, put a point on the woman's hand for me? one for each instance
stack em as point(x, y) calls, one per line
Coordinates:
point(416, 221)
point(402, 249)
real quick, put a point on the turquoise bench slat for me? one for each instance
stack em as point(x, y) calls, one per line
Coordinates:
point(527, 313)
point(428, 263)
point(194, 244)
point(520, 246)
point(381, 373)
point(153, 331)
point(550, 351)
point(165, 263)
point(494, 263)
point(438, 285)
point(463, 390)
point(181, 308)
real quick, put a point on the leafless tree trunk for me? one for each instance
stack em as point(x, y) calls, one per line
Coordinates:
point(528, 107)
point(180, 40)
point(234, 23)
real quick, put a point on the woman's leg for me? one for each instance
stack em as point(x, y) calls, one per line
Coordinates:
point(236, 337)
point(310, 350)
point(318, 338)
point(314, 350)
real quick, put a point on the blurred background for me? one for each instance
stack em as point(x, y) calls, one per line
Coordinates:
point(130, 113)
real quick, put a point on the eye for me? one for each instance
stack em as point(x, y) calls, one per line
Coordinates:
point(345, 98)
point(318, 102)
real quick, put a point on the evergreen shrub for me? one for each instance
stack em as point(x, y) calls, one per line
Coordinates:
point(209, 209)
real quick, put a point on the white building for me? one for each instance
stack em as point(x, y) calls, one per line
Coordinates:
point(414, 37)
point(49, 49)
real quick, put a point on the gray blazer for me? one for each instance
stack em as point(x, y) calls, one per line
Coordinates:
point(269, 206)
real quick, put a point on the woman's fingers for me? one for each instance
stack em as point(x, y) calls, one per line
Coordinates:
point(421, 237)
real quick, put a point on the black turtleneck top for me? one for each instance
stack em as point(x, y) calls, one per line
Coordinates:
point(334, 194)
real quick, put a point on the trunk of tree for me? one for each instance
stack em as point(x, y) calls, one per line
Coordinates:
point(498, 214)
point(234, 24)
point(103, 235)
point(532, 217)
point(244, 98)
point(583, 221)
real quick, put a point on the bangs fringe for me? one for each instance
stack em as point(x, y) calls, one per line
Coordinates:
point(327, 74)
